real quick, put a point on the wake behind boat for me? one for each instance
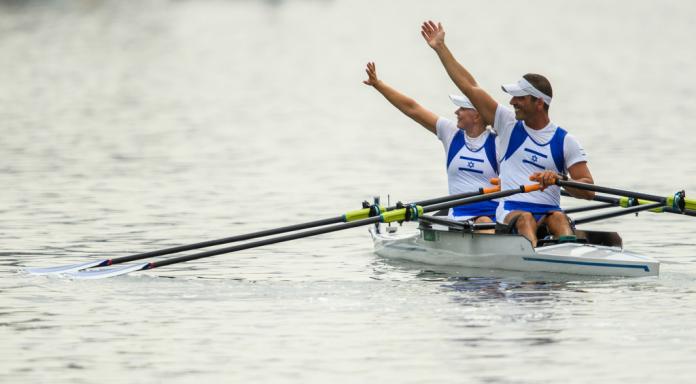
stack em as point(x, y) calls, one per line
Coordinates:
point(445, 242)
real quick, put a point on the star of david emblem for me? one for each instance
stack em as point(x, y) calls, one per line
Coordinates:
point(535, 158)
point(470, 164)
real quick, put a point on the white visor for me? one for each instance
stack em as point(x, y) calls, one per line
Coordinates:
point(462, 101)
point(524, 88)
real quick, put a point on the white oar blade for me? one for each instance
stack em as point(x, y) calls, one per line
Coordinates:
point(63, 268)
point(103, 273)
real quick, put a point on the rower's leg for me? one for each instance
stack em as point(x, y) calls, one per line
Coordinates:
point(557, 224)
point(484, 219)
point(525, 223)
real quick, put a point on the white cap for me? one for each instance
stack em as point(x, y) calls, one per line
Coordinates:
point(462, 101)
point(523, 88)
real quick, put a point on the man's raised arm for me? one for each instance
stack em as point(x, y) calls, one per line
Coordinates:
point(403, 103)
point(434, 35)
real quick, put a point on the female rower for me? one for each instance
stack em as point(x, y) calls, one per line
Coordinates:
point(469, 145)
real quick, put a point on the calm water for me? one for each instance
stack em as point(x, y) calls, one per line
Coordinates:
point(128, 128)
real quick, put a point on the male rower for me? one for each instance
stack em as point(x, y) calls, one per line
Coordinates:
point(470, 147)
point(531, 146)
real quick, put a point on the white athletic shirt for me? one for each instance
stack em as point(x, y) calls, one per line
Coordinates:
point(523, 151)
point(471, 163)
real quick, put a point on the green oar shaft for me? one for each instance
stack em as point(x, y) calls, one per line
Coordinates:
point(588, 208)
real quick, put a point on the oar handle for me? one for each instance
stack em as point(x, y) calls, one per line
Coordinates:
point(530, 188)
point(488, 196)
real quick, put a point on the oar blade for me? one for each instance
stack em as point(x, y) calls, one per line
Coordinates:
point(63, 268)
point(104, 273)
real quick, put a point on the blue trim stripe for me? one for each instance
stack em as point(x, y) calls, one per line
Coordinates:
point(557, 149)
point(534, 164)
point(491, 152)
point(470, 170)
point(471, 158)
point(588, 263)
point(455, 146)
point(535, 152)
point(517, 138)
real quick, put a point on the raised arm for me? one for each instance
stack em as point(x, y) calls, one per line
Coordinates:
point(403, 103)
point(434, 35)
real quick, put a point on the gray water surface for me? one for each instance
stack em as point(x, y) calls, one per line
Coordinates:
point(133, 127)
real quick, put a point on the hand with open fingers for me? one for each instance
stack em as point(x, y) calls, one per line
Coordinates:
point(433, 34)
point(371, 71)
point(545, 178)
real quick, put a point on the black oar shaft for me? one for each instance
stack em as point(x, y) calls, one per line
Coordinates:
point(611, 191)
point(601, 198)
point(687, 212)
point(625, 211)
point(338, 227)
point(268, 232)
point(443, 199)
point(588, 208)
point(210, 243)
point(260, 243)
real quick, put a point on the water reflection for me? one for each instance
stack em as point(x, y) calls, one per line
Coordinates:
point(489, 342)
point(495, 288)
point(477, 285)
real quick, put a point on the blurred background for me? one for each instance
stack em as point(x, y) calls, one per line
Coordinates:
point(131, 126)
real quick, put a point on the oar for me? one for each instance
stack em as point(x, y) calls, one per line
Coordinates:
point(345, 218)
point(588, 208)
point(678, 201)
point(408, 213)
point(626, 202)
point(621, 212)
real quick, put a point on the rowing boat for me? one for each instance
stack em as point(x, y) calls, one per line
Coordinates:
point(444, 242)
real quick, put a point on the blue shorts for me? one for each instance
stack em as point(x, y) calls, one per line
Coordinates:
point(482, 208)
point(537, 210)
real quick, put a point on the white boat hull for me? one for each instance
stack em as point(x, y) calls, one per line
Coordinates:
point(511, 252)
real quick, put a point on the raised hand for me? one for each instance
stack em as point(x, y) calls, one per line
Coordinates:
point(433, 34)
point(371, 71)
